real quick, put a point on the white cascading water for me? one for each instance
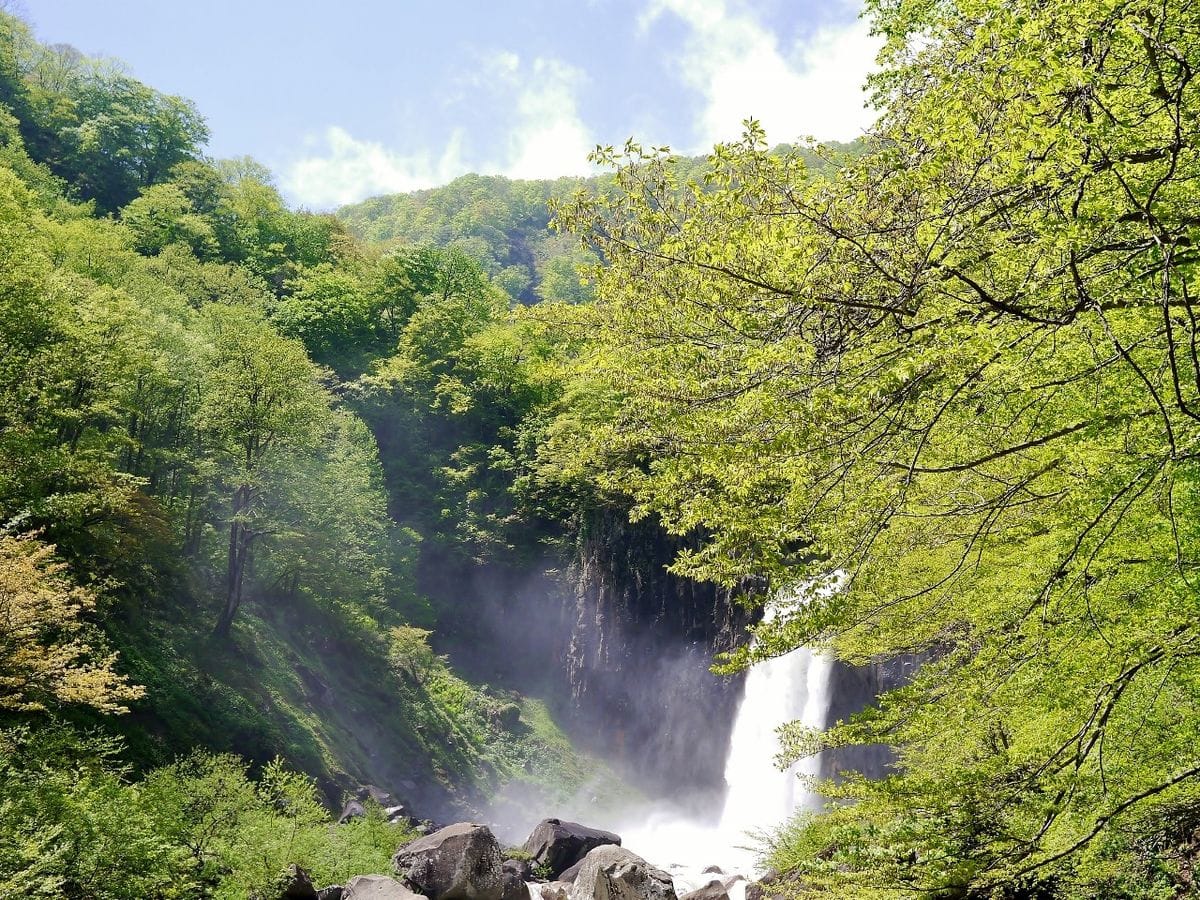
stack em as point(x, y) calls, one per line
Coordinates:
point(758, 796)
point(794, 687)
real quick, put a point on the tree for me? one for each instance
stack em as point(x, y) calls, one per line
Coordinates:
point(98, 128)
point(960, 371)
point(45, 658)
point(328, 309)
point(259, 399)
point(162, 215)
point(565, 278)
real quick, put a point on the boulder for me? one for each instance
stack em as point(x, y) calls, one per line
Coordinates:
point(568, 876)
point(459, 862)
point(352, 810)
point(522, 868)
point(554, 890)
point(512, 887)
point(610, 872)
point(766, 886)
point(712, 870)
point(714, 890)
point(376, 887)
point(559, 845)
point(379, 795)
point(298, 885)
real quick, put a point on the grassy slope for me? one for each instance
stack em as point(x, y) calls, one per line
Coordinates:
point(299, 683)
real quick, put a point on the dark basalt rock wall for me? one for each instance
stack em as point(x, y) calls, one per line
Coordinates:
point(851, 688)
point(640, 643)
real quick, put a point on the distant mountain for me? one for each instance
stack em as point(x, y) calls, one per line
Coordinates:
point(503, 223)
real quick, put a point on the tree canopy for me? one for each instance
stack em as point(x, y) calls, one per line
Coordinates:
point(959, 373)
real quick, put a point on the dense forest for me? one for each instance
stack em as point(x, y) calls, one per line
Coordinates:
point(936, 393)
point(202, 552)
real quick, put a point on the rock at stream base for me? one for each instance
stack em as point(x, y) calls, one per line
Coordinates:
point(381, 796)
point(559, 845)
point(521, 868)
point(766, 887)
point(569, 875)
point(298, 885)
point(714, 890)
point(459, 862)
point(513, 875)
point(614, 873)
point(554, 890)
point(352, 810)
point(376, 887)
point(333, 892)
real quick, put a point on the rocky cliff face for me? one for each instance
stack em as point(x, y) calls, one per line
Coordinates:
point(851, 688)
point(639, 645)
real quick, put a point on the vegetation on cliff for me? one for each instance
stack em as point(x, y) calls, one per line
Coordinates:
point(199, 544)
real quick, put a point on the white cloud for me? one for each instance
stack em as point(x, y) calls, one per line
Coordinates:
point(549, 137)
point(736, 64)
point(344, 169)
point(544, 137)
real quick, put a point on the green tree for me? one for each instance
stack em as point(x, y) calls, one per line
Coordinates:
point(162, 215)
point(259, 401)
point(958, 370)
point(328, 309)
point(106, 133)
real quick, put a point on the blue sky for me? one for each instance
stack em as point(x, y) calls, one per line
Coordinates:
point(362, 97)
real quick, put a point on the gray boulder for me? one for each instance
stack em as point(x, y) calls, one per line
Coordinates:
point(459, 862)
point(376, 887)
point(568, 876)
point(352, 810)
point(554, 890)
point(614, 873)
point(298, 885)
point(714, 890)
point(513, 875)
point(558, 845)
point(766, 887)
point(381, 796)
point(513, 887)
point(522, 868)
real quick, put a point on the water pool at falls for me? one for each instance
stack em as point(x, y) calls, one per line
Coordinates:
point(758, 795)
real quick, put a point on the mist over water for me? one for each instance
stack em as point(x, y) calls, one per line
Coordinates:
point(692, 780)
point(685, 834)
point(758, 795)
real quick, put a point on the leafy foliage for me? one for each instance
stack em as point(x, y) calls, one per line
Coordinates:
point(958, 372)
point(44, 657)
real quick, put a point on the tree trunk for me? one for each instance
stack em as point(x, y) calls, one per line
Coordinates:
point(240, 537)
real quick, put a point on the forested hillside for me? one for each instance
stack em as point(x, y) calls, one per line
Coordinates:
point(503, 224)
point(267, 477)
point(506, 225)
point(196, 548)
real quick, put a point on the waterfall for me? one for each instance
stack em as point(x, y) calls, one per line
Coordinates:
point(758, 796)
point(793, 687)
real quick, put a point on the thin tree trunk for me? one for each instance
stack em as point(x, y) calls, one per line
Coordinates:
point(239, 552)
